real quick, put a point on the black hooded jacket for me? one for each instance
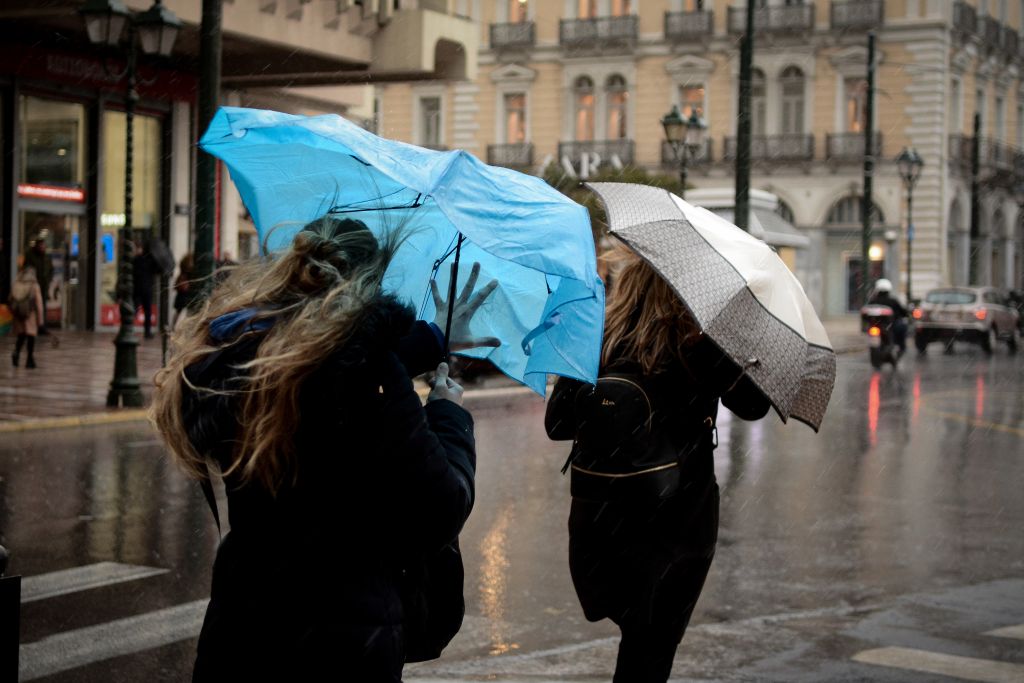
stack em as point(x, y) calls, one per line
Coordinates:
point(307, 581)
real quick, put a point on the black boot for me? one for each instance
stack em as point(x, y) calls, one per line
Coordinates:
point(30, 362)
point(17, 349)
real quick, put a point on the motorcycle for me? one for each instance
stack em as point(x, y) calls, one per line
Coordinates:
point(877, 323)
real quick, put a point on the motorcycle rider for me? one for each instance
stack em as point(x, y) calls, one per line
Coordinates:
point(883, 296)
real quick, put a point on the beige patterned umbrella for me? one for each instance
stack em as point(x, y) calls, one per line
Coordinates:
point(739, 291)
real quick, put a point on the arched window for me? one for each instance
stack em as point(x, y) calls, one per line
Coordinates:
point(786, 212)
point(758, 102)
point(583, 93)
point(792, 117)
point(617, 100)
point(848, 212)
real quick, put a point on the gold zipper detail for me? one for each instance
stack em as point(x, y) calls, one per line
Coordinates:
point(628, 474)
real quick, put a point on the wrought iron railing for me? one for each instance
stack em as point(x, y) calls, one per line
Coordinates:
point(600, 152)
point(990, 32)
point(1010, 44)
point(780, 19)
point(682, 26)
point(515, 35)
point(592, 33)
point(965, 18)
point(992, 155)
point(849, 147)
point(790, 147)
point(703, 155)
point(513, 155)
point(857, 15)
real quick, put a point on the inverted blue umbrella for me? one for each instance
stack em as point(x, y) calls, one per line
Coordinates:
point(548, 311)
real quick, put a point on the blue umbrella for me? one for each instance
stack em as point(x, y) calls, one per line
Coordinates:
point(548, 311)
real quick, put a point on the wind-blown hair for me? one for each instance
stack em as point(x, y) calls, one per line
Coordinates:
point(645, 321)
point(315, 293)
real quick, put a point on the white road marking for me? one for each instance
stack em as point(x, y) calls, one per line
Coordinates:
point(82, 578)
point(1008, 632)
point(967, 668)
point(84, 646)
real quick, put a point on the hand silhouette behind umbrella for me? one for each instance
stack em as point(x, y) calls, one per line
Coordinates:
point(466, 305)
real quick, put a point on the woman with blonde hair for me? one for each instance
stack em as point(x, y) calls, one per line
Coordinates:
point(294, 382)
point(26, 303)
point(644, 517)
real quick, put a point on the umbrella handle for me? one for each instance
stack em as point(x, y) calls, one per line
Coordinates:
point(451, 296)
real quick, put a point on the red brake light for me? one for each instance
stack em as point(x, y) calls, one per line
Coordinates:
point(981, 314)
point(917, 314)
point(875, 331)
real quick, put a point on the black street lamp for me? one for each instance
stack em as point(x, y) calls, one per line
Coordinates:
point(686, 137)
point(157, 29)
point(909, 163)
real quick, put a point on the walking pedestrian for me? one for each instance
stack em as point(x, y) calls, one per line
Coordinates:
point(295, 383)
point(26, 303)
point(643, 522)
point(39, 259)
point(184, 287)
point(144, 271)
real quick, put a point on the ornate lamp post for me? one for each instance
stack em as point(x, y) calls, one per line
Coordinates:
point(686, 137)
point(157, 28)
point(909, 163)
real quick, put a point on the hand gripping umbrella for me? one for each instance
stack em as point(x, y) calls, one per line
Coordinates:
point(548, 310)
point(739, 291)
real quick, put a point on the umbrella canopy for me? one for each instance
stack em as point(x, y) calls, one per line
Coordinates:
point(739, 291)
point(548, 311)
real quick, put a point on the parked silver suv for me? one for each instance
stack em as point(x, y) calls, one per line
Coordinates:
point(981, 315)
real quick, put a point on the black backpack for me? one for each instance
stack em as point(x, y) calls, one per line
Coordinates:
point(623, 448)
point(21, 309)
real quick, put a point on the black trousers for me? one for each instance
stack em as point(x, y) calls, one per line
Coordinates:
point(145, 299)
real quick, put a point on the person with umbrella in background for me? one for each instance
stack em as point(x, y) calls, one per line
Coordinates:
point(295, 381)
point(700, 313)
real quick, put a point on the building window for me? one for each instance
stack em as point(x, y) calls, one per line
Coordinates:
point(758, 102)
point(518, 11)
point(693, 6)
point(848, 211)
point(586, 9)
point(515, 118)
point(583, 93)
point(691, 99)
point(1020, 125)
point(856, 109)
point(430, 121)
point(792, 100)
point(956, 106)
point(1000, 118)
point(617, 102)
point(622, 8)
point(979, 103)
point(462, 8)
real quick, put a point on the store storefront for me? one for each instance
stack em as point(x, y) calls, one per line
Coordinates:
point(65, 158)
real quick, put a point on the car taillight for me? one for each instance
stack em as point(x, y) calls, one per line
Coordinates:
point(875, 331)
point(981, 314)
point(917, 314)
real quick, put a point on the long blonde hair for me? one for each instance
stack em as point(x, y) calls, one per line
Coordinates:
point(315, 293)
point(645, 321)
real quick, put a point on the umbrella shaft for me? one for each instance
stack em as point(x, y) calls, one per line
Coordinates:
point(451, 296)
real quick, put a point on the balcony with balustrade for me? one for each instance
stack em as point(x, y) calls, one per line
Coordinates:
point(990, 33)
point(701, 158)
point(848, 148)
point(965, 19)
point(857, 15)
point(519, 35)
point(775, 148)
point(600, 152)
point(782, 19)
point(1010, 44)
point(684, 27)
point(511, 155)
point(600, 33)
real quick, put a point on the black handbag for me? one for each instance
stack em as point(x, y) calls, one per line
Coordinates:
point(433, 603)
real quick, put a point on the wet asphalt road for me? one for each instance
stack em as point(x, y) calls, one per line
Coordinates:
point(899, 525)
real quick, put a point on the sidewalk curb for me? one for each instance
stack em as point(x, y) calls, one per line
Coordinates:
point(89, 419)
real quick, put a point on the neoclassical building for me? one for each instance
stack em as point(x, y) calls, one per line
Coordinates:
point(584, 84)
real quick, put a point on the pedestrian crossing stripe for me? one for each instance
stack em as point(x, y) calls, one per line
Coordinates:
point(1008, 632)
point(967, 668)
point(77, 579)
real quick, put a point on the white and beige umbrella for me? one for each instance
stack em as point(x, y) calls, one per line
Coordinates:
point(742, 295)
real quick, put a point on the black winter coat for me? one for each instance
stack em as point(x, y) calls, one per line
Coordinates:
point(307, 582)
point(642, 563)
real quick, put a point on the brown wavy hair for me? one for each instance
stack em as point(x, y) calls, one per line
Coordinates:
point(645, 321)
point(316, 293)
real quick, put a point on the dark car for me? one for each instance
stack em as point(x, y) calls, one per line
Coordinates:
point(981, 315)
